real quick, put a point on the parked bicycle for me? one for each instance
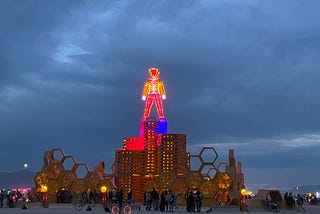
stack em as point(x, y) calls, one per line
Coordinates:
point(272, 206)
point(126, 208)
point(83, 201)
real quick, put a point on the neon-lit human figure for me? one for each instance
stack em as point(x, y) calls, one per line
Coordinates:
point(154, 92)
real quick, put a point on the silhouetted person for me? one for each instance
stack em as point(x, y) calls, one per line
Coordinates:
point(162, 201)
point(10, 199)
point(300, 203)
point(120, 198)
point(155, 199)
point(199, 198)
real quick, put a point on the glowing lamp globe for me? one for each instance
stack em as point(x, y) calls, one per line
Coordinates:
point(103, 189)
point(44, 188)
point(243, 192)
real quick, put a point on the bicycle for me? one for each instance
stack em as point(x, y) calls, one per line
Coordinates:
point(115, 209)
point(83, 201)
point(272, 206)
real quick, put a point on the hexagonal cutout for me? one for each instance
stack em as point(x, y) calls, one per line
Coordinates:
point(208, 155)
point(206, 169)
point(212, 172)
point(195, 163)
point(81, 170)
point(58, 154)
point(220, 165)
point(68, 162)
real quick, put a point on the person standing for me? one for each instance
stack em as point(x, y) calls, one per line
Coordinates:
point(130, 197)
point(120, 198)
point(155, 199)
point(199, 198)
point(172, 198)
point(300, 203)
point(162, 201)
point(1, 198)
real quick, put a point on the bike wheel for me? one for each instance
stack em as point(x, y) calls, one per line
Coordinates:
point(78, 207)
point(127, 209)
point(115, 210)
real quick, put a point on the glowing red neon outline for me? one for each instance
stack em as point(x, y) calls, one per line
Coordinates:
point(153, 92)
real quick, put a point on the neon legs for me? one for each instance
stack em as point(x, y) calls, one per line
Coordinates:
point(162, 123)
point(153, 98)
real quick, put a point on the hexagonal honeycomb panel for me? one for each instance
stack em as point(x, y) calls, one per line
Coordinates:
point(179, 186)
point(208, 187)
point(79, 186)
point(165, 179)
point(53, 186)
point(41, 179)
point(66, 178)
point(204, 160)
point(150, 184)
point(223, 180)
point(60, 170)
point(54, 170)
point(92, 179)
point(193, 179)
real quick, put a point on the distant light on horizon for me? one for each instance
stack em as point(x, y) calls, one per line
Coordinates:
point(25, 165)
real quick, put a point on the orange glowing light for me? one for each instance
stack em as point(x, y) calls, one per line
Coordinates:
point(103, 189)
point(243, 192)
point(44, 188)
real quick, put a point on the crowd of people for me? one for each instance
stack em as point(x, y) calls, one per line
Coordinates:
point(166, 200)
point(8, 198)
point(297, 200)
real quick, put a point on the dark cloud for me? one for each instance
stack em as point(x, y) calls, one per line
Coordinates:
point(240, 75)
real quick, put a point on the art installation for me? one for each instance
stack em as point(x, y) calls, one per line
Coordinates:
point(156, 159)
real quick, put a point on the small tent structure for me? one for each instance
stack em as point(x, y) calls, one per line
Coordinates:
point(271, 195)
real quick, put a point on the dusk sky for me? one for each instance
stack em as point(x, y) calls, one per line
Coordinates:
point(240, 75)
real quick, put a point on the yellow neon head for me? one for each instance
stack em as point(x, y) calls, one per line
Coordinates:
point(154, 72)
